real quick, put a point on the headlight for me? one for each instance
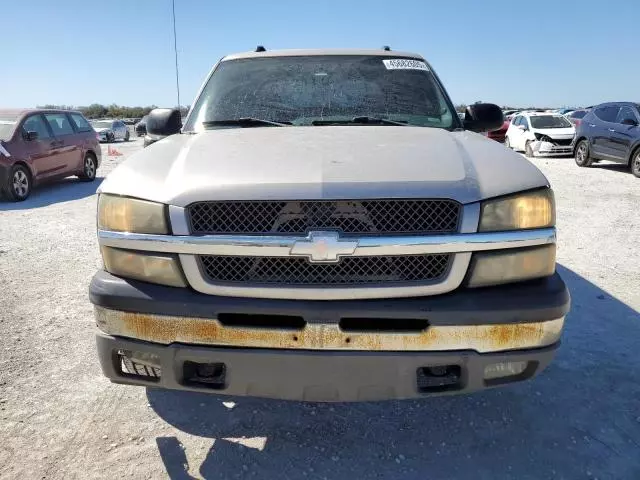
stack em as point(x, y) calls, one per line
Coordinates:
point(528, 210)
point(507, 266)
point(148, 267)
point(123, 214)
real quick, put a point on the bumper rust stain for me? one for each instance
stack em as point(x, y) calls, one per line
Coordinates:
point(481, 338)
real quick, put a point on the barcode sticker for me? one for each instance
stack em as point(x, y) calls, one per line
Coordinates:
point(404, 64)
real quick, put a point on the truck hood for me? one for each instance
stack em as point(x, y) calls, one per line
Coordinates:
point(331, 162)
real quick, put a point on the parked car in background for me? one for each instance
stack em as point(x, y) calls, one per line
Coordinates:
point(576, 116)
point(141, 126)
point(500, 134)
point(610, 131)
point(540, 134)
point(111, 130)
point(37, 146)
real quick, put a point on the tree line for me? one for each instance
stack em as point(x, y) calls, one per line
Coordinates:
point(96, 110)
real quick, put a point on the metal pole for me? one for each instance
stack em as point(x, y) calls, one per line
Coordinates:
point(175, 49)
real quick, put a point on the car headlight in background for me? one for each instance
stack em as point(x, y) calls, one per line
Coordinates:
point(123, 214)
point(149, 267)
point(528, 210)
point(508, 266)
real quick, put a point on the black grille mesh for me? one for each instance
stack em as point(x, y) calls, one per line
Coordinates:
point(299, 217)
point(348, 271)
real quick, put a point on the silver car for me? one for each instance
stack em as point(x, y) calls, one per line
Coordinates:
point(110, 130)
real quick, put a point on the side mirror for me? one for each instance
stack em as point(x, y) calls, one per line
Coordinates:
point(31, 136)
point(164, 122)
point(483, 117)
point(630, 121)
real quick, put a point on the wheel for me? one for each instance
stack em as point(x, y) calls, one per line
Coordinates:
point(528, 151)
point(110, 137)
point(89, 168)
point(583, 155)
point(126, 136)
point(635, 163)
point(506, 142)
point(19, 183)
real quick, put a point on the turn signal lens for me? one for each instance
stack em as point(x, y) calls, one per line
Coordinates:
point(495, 268)
point(148, 267)
point(529, 210)
point(123, 214)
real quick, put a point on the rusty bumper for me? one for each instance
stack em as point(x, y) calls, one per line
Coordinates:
point(465, 332)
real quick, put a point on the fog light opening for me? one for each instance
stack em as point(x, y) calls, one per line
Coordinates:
point(208, 375)
point(439, 378)
point(506, 372)
point(139, 365)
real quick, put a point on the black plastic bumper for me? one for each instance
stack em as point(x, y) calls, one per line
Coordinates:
point(316, 376)
point(320, 375)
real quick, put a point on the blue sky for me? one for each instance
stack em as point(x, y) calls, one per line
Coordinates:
point(540, 52)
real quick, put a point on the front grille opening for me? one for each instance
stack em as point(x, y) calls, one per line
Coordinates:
point(388, 325)
point(355, 217)
point(207, 375)
point(440, 378)
point(348, 271)
point(139, 365)
point(280, 322)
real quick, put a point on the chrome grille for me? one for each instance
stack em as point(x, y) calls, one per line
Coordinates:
point(348, 271)
point(360, 217)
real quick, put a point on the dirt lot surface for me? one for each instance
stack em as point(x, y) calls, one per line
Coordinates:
point(59, 418)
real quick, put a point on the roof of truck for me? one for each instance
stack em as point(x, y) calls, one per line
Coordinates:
point(306, 53)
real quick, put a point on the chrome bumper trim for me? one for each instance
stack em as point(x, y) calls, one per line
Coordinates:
point(280, 246)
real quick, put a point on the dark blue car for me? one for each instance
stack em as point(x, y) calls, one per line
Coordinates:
point(610, 131)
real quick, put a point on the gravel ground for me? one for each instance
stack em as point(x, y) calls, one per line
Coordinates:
point(61, 419)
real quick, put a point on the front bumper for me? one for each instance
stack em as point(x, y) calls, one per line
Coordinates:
point(547, 149)
point(467, 330)
point(315, 376)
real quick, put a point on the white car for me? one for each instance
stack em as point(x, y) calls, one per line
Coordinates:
point(110, 130)
point(541, 134)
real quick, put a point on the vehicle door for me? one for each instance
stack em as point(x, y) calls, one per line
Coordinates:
point(120, 129)
point(625, 132)
point(602, 129)
point(68, 152)
point(83, 137)
point(523, 128)
point(39, 147)
point(515, 133)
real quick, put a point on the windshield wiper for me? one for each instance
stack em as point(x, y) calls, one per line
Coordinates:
point(363, 120)
point(244, 122)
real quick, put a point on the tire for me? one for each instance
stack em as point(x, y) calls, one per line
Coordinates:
point(126, 136)
point(506, 142)
point(635, 163)
point(110, 137)
point(583, 154)
point(89, 168)
point(19, 183)
point(528, 151)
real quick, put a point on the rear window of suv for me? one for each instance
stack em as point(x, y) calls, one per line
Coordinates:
point(299, 90)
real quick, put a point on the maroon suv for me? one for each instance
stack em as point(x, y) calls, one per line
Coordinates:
point(39, 146)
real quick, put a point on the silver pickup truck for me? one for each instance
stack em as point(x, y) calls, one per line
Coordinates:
point(324, 227)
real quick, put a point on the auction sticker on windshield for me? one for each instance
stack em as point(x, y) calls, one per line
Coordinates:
point(404, 64)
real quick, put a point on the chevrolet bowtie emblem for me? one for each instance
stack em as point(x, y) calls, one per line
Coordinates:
point(323, 247)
